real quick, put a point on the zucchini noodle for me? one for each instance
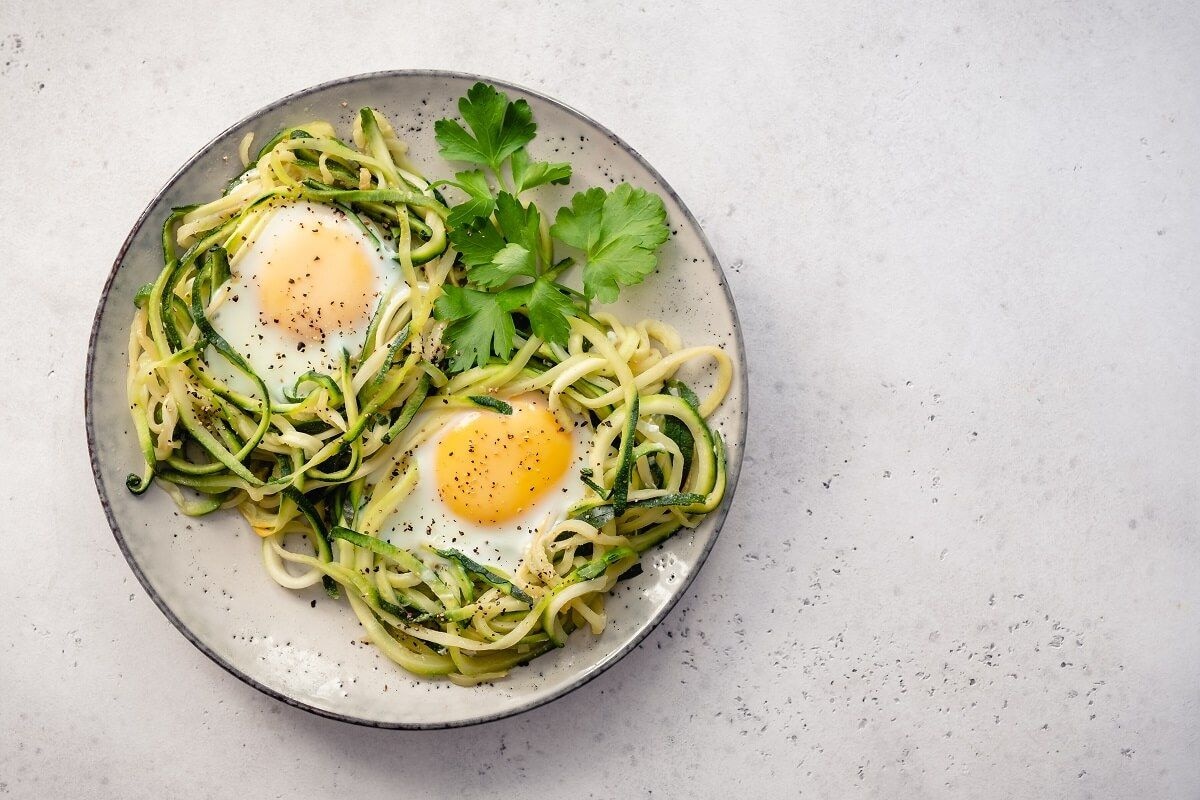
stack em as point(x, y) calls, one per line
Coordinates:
point(331, 462)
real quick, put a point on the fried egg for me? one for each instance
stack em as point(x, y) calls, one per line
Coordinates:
point(302, 291)
point(487, 481)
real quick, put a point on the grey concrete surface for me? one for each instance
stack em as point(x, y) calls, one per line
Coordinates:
point(964, 557)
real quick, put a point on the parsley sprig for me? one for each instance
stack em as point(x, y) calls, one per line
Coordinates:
point(507, 246)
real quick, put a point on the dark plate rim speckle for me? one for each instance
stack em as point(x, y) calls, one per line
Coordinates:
point(733, 467)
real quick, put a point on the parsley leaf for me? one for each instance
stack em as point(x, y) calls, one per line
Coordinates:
point(579, 225)
point(478, 241)
point(516, 234)
point(622, 263)
point(480, 324)
point(619, 232)
point(500, 128)
point(481, 202)
point(548, 311)
point(518, 223)
point(528, 174)
point(512, 260)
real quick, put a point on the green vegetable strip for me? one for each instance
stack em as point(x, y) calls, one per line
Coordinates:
point(675, 430)
point(401, 558)
point(486, 574)
point(495, 404)
point(599, 516)
point(320, 536)
point(392, 196)
point(597, 567)
point(409, 410)
point(216, 259)
point(620, 490)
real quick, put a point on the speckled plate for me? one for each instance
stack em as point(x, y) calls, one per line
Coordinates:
point(205, 574)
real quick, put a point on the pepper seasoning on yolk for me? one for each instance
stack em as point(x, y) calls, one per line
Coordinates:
point(317, 280)
point(490, 467)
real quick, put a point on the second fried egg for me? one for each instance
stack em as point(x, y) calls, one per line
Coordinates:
point(488, 480)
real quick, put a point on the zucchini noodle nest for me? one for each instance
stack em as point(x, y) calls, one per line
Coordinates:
point(332, 460)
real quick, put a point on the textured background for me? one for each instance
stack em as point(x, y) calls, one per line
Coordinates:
point(963, 560)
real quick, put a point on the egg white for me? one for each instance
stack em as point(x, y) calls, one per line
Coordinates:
point(423, 519)
point(271, 350)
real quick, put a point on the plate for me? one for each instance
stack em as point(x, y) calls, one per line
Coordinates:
point(300, 647)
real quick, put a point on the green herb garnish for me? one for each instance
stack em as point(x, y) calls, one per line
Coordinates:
point(507, 246)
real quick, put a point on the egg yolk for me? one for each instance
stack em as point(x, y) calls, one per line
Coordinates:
point(317, 279)
point(492, 467)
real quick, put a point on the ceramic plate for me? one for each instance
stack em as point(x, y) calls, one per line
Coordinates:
point(206, 575)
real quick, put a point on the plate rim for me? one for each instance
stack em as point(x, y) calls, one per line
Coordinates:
point(589, 673)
